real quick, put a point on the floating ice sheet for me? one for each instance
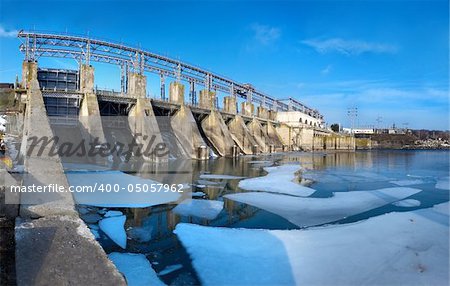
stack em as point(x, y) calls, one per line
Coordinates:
point(314, 211)
point(113, 213)
point(113, 227)
point(408, 203)
point(124, 184)
point(403, 183)
point(207, 209)
point(136, 269)
point(391, 249)
point(170, 269)
point(443, 183)
point(278, 180)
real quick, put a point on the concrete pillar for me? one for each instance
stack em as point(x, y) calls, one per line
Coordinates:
point(247, 108)
point(229, 104)
point(86, 78)
point(137, 85)
point(142, 121)
point(272, 115)
point(186, 130)
point(29, 75)
point(203, 152)
point(262, 112)
point(217, 132)
point(207, 99)
point(176, 92)
point(242, 135)
point(260, 135)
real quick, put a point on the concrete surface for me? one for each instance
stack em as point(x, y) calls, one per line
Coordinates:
point(242, 135)
point(258, 132)
point(218, 134)
point(176, 92)
point(41, 169)
point(61, 250)
point(142, 120)
point(186, 130)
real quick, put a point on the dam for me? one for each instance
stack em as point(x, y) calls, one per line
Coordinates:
point(224, 118)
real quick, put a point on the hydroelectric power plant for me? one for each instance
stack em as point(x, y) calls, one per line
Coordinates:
point(204, 115)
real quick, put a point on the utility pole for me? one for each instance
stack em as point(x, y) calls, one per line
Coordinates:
point(352, 113)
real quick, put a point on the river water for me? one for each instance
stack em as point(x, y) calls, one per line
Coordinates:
point(150, 230)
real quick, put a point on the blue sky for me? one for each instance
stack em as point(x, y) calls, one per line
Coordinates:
point(387, 58)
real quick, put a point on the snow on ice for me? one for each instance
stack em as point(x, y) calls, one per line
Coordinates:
point(305, 212)
point(207, 209)
point(121, 198)
point(391, 249)
point(136, 269)
point(113, 227)
point(278, 180)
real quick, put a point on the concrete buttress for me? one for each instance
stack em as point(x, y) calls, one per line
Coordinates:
point(218, 134)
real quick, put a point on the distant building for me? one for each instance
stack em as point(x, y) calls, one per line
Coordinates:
point(359, 130)
point(6, 85)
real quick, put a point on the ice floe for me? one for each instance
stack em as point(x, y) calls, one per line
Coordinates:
point(406, 248)
point(141, 233)
point(207, 209)
point(443, 183)
point(278, 180)
point(136, 269)
point(220, 177)
point(407, 182)
point(95, 233)
point(198, 194)
point(113, 213)
point(170, 269)
point(305, 212)
point(113, 227)
point(408, 203)
point(119, 194)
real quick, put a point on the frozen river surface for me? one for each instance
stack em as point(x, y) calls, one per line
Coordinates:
point(378, 217)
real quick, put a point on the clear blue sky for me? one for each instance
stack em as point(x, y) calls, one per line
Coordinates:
point(388, 58)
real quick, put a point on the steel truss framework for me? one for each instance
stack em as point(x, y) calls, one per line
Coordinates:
point(84, 49)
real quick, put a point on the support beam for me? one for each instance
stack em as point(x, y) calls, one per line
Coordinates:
point(186, 130)
point(192, 94)
point(242, 136)
point(218, 134)
point(89, 115)
point(29, 74)
point(86, 79)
